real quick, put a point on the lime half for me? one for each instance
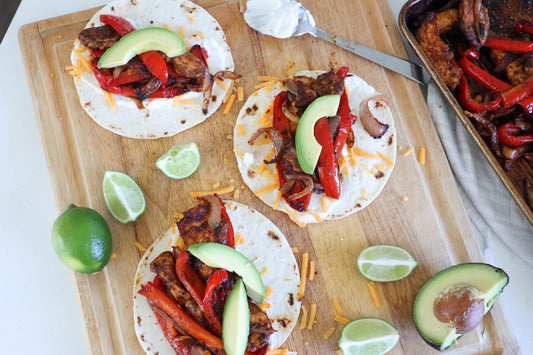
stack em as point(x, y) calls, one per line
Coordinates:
point(383, 263)
point(368, 336)
point(180, 161)
point(123, 197)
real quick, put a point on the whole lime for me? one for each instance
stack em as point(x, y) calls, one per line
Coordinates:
point(82, 239)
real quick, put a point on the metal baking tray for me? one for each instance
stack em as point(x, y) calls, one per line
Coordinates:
point(408, 21)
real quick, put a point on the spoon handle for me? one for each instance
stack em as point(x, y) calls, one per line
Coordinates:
point(401, 66)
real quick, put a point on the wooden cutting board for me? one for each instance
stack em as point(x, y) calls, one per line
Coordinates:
point(431, 223)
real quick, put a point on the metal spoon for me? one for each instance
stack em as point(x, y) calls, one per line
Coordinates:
point(288, 18)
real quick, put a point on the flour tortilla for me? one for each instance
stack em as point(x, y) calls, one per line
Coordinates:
point(264, 245)
point(358, 188)
point(159, 118)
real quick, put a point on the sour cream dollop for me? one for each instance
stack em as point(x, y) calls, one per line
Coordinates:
point(277, 18)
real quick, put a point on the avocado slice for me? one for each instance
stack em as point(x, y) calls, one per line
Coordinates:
point(307, 147)
point(236, 320)
point(140, 41)
point(224, 257)
point(486, 279)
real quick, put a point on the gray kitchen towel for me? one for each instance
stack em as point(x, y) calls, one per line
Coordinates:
point(490, 206)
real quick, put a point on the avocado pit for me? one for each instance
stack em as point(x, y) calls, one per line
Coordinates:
point(460, 305)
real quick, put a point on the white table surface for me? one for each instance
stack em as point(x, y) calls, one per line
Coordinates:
point(38, 305)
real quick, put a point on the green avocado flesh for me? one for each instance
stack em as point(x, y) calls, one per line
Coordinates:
point(236, 321)
point(140, 41)
point(224, 257)
point(307, 147)
point(488, 279)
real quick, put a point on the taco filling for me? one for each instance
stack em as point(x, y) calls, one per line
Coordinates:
point(150, 74)
point(342, 179)
point(187, 297)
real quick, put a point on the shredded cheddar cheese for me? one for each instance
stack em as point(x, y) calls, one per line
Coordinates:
point(263, 273)
point(374, 294)
point(229, 104)
point(240, 127)
point(315, 214)
point(267, 188)
point(167, 26)
point(294, 250)
point(385, 159)
point(324, 203)
point(222, 191)
point(303, 275)
point(182, 31)
point(111, 100)
point(422, 156)
point(268, 291)
point(408, 151)
point(238, 153)
point(264, 306)
point(180, 243)
point(264, 84)
point(329, 332)
point(277, 352)
point(294, 217)
point(113, 255)
point(303, 322)
point(221, 84)
point(236, 194)
point(359, 152)
point(341, 319)
point(267, 78)
point(191, 19)
point(311, 270)
point(140, 247)
point(228, 90)
point(404, 198)
point(173, 228)
point(278, 199)
point(312, 315)
point(240, 93)
point(337, 306)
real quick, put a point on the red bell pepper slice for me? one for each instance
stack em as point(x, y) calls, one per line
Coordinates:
point(472, 105)
point(327, 167)
point(523, 27)
point(119, 24)
point(200, 53)
point(105, 82)
point(517, 93)
point(183, 320)
point(509, 45)
point(347, 118)
point(211, 297)
point(189, 278)
point(508, 135)
point(481, 76)
point(230, 237)
point(281, 123)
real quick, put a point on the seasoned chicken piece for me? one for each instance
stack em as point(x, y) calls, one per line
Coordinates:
point(98, 38)
point(260, 328)
point(300, 93)
point(188, 66)
point(438, 52)
point(328, 84)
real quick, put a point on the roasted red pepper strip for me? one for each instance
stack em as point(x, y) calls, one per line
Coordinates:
point(183, 320)
point(155, 62)
point(471, 53)
point(508, 135)
point(281, 123)
point(106, 80)
point(509, 45)
point(481, 76)
point(211, 297)
point(523, 27)
point(119, 24)
point(327, 166)
point(472, 105)
point(200, 53)
point(347, 118)
point(518, 93)
point(230, 237)
point(189, 278)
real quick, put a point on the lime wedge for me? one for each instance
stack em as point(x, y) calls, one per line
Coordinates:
point(383, 263)
point(180, 161)
point(123, 197)
point(368, 336)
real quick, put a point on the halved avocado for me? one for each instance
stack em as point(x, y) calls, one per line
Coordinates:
point(486, 279)
point(236, 320)
point(140, 41)
point(307, 147)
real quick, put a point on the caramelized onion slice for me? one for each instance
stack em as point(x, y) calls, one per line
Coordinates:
point(276, 138)
point(216, 210)
point(368, 110)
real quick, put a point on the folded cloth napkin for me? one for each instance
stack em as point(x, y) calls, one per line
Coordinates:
point(489, 205)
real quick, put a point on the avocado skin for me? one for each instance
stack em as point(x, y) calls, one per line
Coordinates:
point(456, 269)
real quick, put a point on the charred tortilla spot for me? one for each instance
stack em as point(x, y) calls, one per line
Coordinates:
point(183, 121)
point(213, 98)
point(251, 174)
point(291, 299)
point(273, 235)
point(357, 205)
point(139, 320)
point(390, 140)
point(379, 174)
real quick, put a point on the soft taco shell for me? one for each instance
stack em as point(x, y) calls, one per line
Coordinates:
point(359, 187)
point(264, 244)
point(160, 117)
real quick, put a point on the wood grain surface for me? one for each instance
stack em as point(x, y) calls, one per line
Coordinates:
point(431, 223)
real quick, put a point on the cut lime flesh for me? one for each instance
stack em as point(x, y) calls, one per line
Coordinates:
point(368, 336)
point(384, 263)
point(180, 161)
point(123, 196)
